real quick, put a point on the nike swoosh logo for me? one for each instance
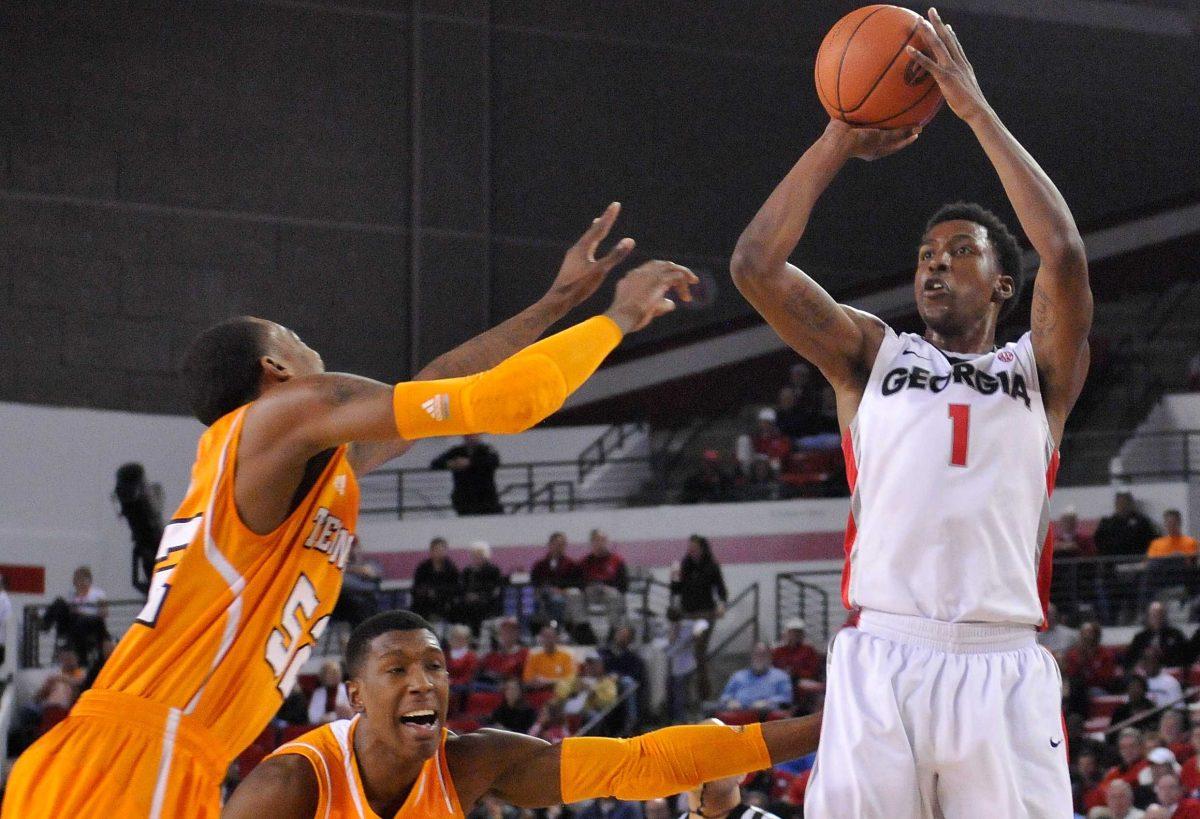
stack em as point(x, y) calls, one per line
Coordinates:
point(915, 355)
point(1054, 744)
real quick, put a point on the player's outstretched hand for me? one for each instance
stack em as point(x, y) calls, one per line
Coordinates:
point(581, 272)
point(869, 143)
point(949, 67)
point(641, 294)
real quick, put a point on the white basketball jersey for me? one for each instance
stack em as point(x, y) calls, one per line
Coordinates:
point(951, 465)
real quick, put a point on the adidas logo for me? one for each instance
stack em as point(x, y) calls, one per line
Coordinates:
point(438, 407)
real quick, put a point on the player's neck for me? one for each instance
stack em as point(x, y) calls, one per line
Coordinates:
point(975, 340)
point(388, 775)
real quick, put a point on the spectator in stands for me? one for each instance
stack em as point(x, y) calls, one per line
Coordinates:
point(1159, 761)
point(1126, 531)
point(657, 809)
point(556, 579)
point(360, 583)
point(1086, 776)
point(589, 692)
point(5, 614)
point(482, 587)
point(462, 664)
point(1056, 638)
point(605, 576)
point(761, 686)
point(1132, 758)
point(790, 417)
point(761, 482)
point(700, 587)
point(107, 646)
point(802, 662)
point(81, 620)
point(1119, 800)
point(1169, 795)
point(1158, 633)
point(620, 658)
point(1170, 559)
point(550, 664)
point(473, 464)
point(1175, 733)
point(611, 809)
point(1089, 663)
point(329, 700)
point(507, 658)
point(1161, 687)
point(1189, 776)
point(768, 440)
point(435, 583)
point(1136, 702)
point(710, 483)
point(551, 723)
point(514, 713)
point(678, 647)
point(1069, 540)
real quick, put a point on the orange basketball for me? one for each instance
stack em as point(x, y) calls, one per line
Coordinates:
point(865, 78)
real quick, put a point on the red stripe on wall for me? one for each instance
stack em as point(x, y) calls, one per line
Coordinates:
point(24, 579)
point(779, 548)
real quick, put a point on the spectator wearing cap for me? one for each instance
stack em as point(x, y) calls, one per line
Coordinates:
point(802, 662)
point(710, 483)
point(605, 576)
point(768, 440)
point(507, 657)
point(482, 585)
point(1159, 762)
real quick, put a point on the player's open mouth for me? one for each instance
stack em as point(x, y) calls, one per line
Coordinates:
point(935, 286)
point(423, 722)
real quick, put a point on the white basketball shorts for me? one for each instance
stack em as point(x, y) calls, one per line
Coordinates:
point(925, 719)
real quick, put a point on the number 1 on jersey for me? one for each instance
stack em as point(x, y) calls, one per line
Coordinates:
point(960, 419)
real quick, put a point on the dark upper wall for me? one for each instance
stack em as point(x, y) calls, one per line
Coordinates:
point(165, 165)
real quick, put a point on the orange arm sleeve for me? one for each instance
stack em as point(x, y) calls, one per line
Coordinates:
point(512, 396)
point(660, 763)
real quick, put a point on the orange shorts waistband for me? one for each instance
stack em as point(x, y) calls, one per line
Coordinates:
point(188, 734)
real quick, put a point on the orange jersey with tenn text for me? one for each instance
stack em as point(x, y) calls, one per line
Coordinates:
point(330, 751)
point(231, 615)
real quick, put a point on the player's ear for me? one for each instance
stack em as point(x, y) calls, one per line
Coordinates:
point(355, 693)
point(274, 368)
point(1005, 288)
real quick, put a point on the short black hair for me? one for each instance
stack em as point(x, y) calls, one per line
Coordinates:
point(372, 627)
point(1008, 252)
point(220, 369)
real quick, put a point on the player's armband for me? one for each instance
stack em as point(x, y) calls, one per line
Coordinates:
point(512, 396)
point(661, 763)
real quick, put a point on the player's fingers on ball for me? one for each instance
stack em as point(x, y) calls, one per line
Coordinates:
point(933, 41)
point(922, 60)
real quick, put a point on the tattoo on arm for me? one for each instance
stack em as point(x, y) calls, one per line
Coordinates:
point(805, 302)
point(1044, 315)
point(488, 349)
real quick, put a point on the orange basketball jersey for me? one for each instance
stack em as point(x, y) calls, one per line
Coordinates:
point(330, 750)
point(231, 615)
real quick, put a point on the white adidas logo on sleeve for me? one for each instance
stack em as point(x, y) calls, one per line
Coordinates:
point(438, 407)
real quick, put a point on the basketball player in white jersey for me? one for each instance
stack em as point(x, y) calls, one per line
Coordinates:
point(940, 704)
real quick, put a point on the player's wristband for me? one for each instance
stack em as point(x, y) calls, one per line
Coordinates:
point(512, 396)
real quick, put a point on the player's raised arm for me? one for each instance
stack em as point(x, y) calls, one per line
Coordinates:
point(660, 763)
point(840, 341)
point(580, 274)
point(1062, 297)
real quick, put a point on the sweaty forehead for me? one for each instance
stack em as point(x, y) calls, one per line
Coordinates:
point(945, 231)
point(412, 643)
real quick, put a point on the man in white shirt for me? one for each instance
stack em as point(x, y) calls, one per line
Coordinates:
point(80, 621)
point(1161, 687)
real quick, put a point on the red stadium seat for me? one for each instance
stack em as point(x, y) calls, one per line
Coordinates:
point(51, 715)
point(574, 723)
point(744, 716)
point(308, 684)
point(269, 738)
point(1193, 676)
point(483, 703)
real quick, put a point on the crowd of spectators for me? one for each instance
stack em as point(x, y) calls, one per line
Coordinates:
point(793, 450)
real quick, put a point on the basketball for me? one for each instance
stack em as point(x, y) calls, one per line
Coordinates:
point(865, 78)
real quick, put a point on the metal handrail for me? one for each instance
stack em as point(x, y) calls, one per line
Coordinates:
point(587, 462)
point(1142, 715)
point(801, 586)
point(603, 713)
point(750, 622)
